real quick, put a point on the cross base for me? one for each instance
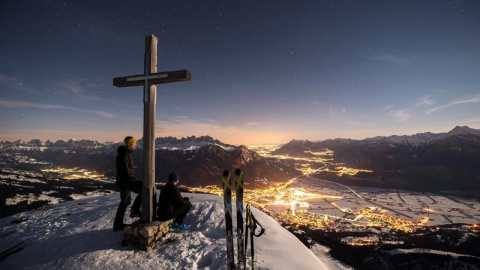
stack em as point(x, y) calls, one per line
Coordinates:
point(145, 236)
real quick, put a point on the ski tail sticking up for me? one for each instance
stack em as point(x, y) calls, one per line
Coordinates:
point(251, 225)
point(227, 199)
point(239, 205)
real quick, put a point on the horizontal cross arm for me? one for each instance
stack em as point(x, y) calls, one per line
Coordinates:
point(154, 78)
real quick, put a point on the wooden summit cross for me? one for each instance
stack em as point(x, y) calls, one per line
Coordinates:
point(149, 79)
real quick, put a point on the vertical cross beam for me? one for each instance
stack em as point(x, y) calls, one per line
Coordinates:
point(149, 79)
point(149, 99)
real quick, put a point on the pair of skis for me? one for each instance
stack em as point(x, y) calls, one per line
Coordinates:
point(227, 193)
point(251, 222)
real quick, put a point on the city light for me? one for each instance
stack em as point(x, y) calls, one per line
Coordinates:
point(305, 218)
point(295, 200)
point(292, 198)
point(361, 241)
point(313, 162)
point(427, 209)
point(340, 170)
point(290, 202)
point(75, 173)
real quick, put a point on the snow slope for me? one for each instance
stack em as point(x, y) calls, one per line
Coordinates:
point(78, 235)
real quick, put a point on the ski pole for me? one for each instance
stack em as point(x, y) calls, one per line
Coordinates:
point(253, 250)
point(246, 239)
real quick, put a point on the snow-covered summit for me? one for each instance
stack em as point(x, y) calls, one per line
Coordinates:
point(166, 143)
point(78, 235)
point(189, 144)
point(426, 137)
point(37, 144)
point(459, 131)
point(416, 139)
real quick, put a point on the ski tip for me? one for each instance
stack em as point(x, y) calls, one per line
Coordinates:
point(226, 173)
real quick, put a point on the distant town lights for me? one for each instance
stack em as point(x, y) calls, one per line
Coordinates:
point(75, 173)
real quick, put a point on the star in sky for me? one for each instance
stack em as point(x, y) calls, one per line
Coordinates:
point(310, 70)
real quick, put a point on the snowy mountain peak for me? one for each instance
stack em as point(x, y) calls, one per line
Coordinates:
point(36, 144)
point(294, 141)
point(167, 143)
point(426, 137)
point(458, 130)
point(245, 153)
point(189, 144)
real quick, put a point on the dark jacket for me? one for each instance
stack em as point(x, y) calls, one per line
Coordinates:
point(170, 199)
point(125, 177)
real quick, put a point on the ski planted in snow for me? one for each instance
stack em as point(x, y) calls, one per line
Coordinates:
point(227, 199)
point(239, 205)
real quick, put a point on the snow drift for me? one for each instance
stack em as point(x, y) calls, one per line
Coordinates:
point(78, 235)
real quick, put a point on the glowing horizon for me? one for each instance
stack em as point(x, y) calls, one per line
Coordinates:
point(233, 137)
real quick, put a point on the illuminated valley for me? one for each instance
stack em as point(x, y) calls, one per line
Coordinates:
point(350, 215)
point(326, 205)
point(318, 203)
point(331, 206)
point(312, 162)
point(75, 174)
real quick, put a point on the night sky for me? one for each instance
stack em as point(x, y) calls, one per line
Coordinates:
point(262, 71)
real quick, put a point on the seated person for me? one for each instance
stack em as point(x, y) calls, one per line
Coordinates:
point(171, 204)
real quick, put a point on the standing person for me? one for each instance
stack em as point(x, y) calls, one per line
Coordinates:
point(172, 205)
point(126, 181)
